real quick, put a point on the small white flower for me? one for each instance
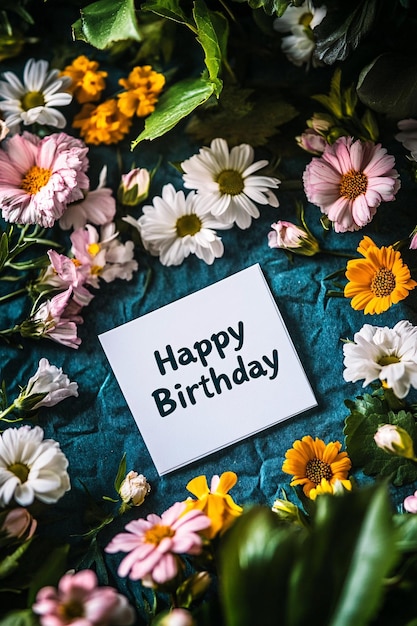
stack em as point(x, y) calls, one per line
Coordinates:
point(134, 489)
point(31, 467)
point(34, 99)
point(176, 226)
point(387, 354)
point(226, 183)
point(395, 440)
point(300, 21)
point(48, 381)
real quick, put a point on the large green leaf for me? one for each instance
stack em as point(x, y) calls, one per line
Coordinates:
point(106, 21)
point(388, 85)
point(170, 9)
point(367, 413)
point(342, 29)
point(175, 104)
point(25, 617)
point(212, 34)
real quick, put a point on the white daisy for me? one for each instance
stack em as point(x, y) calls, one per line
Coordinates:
point(34, 99)
point(176, 226)
point(31, 467)
point(300, 21)
point(226, 183)
point(387, 354)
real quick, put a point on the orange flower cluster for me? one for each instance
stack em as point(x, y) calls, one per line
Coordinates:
point(110, 121)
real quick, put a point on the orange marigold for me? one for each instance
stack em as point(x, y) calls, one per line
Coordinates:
point(104, 123)
point(87, 81)
point(143, 86)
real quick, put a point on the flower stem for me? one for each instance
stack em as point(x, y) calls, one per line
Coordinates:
point(12, 294)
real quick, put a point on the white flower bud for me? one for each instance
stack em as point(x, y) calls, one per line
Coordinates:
point(134, 489)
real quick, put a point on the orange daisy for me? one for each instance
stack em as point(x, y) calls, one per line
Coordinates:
point(310, 460)
point(379, 280)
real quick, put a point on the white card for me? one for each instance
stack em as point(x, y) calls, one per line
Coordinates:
point(208, 370)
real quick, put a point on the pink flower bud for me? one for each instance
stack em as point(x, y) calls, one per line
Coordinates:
point(410, 503)
point(134, 187)
point(394, 440)
point(290, 237)
point(18, 523)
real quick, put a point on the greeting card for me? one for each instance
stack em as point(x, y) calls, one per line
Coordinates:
point(208, 370)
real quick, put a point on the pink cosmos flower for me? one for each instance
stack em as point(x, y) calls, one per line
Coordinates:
point(153, 544)
point(55, 319)
point(81, 602)
point(349, 181)
point(40, 177)
point(97, 207)
point(19, 523)
point(408, 136)
point(64, 272)
point(413, 239)
point(102, 255)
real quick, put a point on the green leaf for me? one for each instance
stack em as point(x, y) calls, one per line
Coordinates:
point(367, 413)
point(272, 7)
point(342, 29)
point(370, 561)
point(406, 532)
point(4, 249)
point(11, 562)
point(121, 473)
point(176, 103)
point(168, 8)
point(241, 117)
point(25, 617)
point(106, 21)
point(209, 25)
point(52, 569)
point(388, 85)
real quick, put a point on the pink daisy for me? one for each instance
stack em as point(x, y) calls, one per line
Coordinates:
point(349, 181)
point(79, 600)
point(40, 177)
point(154, 543)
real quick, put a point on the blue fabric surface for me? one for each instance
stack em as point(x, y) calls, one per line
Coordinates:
point(95, 429)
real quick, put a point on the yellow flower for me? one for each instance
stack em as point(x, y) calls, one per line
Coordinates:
point(103, 123)
point(143, 87)
point(325, 487)
point(379, 280)
point(215, 502)
point(310, 460)
point(87, 81)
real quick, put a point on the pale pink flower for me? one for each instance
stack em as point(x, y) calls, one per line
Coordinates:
point(177, 617)
point(413, 241)
point(312, 141)
point(64, 272)
point(134, 186)
point(349, 181)
point(19, 523)
point(102, 255)
point(410, 503)
point(153, 544)
point(40, 177)
point(288, 236)
point(97, 207)
point(55, 319)
point(408, 136)
point(79, 600)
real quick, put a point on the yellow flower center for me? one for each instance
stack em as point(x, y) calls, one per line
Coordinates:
point(19, 470)
point(32, 99)
point(230, 182)
point(316, 469)
point(157, 533)
point(353, 184)
point(69, 611)
point(93, 249)
point(305, 19)
point(36, 178)
point(188, 225)
point(383, 283)
point(388, 359)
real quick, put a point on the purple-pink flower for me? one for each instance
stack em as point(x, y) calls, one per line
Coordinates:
point(79, 601)
point(40, 177)
point(55, 319)
point(410, 503)
point(153, 544)
point(349, 181)
point(19, 523)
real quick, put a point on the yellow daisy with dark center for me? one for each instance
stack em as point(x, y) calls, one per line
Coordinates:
point(310, 461)
point(378, 280)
